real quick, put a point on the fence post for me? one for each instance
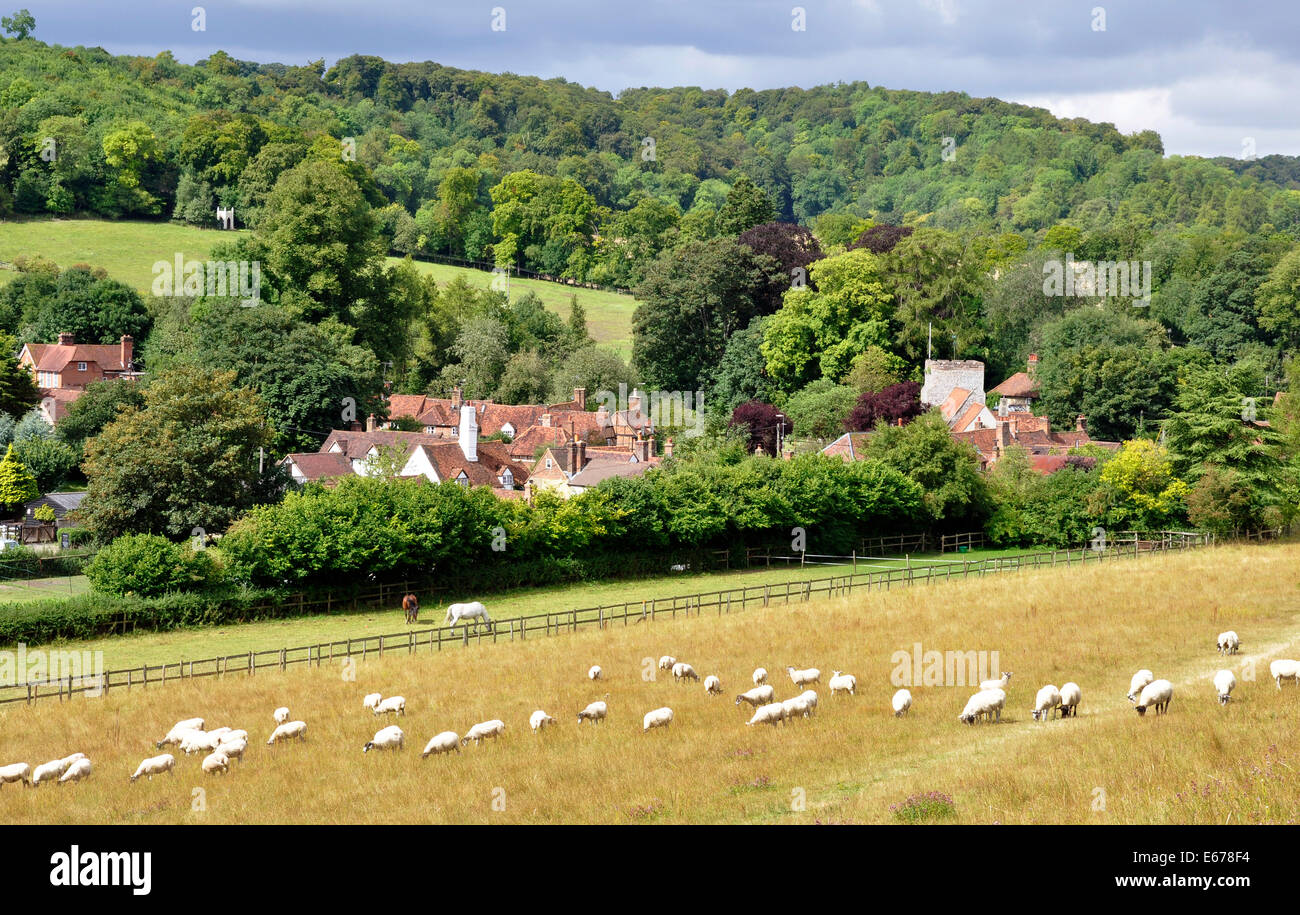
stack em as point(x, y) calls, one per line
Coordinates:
point(251, 668)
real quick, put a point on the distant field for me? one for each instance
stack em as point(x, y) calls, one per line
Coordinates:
point(128, 251)
point(17, 590)
point(1200, 763)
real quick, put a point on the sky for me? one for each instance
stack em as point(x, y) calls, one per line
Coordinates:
point(1213, 78)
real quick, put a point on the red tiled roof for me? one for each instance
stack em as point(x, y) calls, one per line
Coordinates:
point(849, 446)
point(1021, 384)
point(357, 444)
point(1048, 464)
point(966, 420)
point(449, 462)
point(54, 357)
point(604, 466)
point(315, 465)
point(953, 403)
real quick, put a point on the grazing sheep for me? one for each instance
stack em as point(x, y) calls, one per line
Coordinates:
point(47, 772)
point(234, 736)
point(1224, 681)
point(220, 732)
point(757, 696)
point(798, 706)
point(594, 672)
point(389, 738)
point(1284, 670)
point(1071, 696)
point(760, 676)
point(902, 701)
point(683, 672)
point(180, 730)
point(281, 714)
point(712, 685)
point(484, 729)
point(18, 772)
point(1228, 642)
point(595, 713)
point(1001, 683)
point(156, 765)
point(843, 683)
point(1157, 693)
point(987, 702)
point(77, 771)
point(804, 677)
point(216, 762)
point(198, 742)
point(1047, 700)
point(659, 718)
point(233, 748)
point(667, 662)
point(442, 743)
point(370, 700)
point(391, 704)
point(538, 720)
point(288, 731)
point(772, 713)
point(809, 698)
point(1138, 683)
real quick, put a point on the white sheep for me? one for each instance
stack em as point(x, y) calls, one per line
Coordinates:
point(156, 765)
point(760, 676)
point(47, 772)
point(901, 702)
point(1224, 681)
point(233, 736)
point(1157, 693)
point(442, 743)
point(220, 732)
point(216, 762)
point(478, 732)
point(804, 677)
point(594, 672)
point(1071, 696)
point(683, 672)
point(391, 704)
point(389, 738)
point(288, 731)
point(18, 772)
point(1047, 700)
point(199, 741)
point(370, 700)
point(757, 696)
point(659, 718)
point(179, 732)
point(281, 715)
point(538, 720)
point(233, 748)
point(809, 698)
point(667, 662)
point(1001, 683)
point(712, 685)
point(77, 771)
point(843, 683)
point(796, 707)
point(772, 713)
point(1284, 669)
point(987, 702)
point(1228, 642)
point(1138, 683)
point(595, 713)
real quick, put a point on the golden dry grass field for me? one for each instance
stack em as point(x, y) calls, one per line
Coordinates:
point(1200, 763)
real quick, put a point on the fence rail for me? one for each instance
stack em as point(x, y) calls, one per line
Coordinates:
point(602, 616)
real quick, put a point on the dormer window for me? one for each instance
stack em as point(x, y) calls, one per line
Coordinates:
point(463, 479)
point(509, 430)
point(81, 366)
point(508, 479)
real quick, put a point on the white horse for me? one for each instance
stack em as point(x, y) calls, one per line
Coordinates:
point(474, 610)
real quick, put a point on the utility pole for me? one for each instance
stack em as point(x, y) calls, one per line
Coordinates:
point(929, 341)
point(261, 455)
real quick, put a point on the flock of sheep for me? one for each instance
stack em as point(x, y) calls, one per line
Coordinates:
point(222, 745)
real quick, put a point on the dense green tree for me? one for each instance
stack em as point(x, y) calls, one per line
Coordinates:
point(820, 408)
point(956, 496)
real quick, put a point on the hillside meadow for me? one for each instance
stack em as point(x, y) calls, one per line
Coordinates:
point(1202, 763)
point(128, 250)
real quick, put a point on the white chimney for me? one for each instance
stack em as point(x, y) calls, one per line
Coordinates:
point(468, 435)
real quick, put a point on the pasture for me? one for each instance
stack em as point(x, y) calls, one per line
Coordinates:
point(1200, 763)
point(129, 249)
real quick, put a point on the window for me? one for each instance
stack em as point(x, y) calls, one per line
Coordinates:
point(508, 479)
point(81, 366)
point(548, 463)
point(462, 479)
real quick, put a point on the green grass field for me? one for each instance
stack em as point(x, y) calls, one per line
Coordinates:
point(849, 763)
point(128, 250)
point(207, 642)
point(26, 590)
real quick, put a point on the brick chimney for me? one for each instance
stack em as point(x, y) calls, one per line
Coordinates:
point(371, 425)
point(128, 352)
point(634, 402)
point(67, 339)
point(468, 434)
point(1081, 424)
point(1004, 436)
point(668, 448)
point(456, 399)
point(641, 449)
point(580, 398)
point(546, 420)
point(1033, 362)
point(580, 454)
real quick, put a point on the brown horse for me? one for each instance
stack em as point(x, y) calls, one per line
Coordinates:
point(411, 607)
